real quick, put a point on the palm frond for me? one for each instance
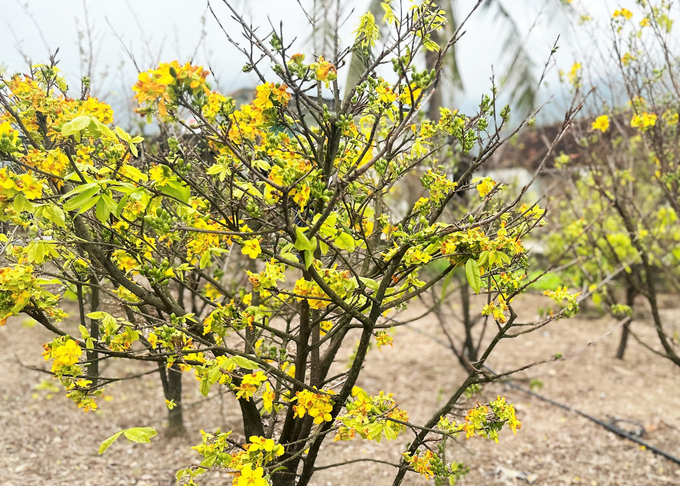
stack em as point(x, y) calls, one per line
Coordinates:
point(360, 58)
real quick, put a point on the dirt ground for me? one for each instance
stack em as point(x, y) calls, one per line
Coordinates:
point(45, 440)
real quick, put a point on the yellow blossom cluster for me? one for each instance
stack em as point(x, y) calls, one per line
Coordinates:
point(250, 384)
point(623, 13)
point(249, 121)
point(421, 464)
point(487, 420)
point(643, 120)
point(19, 288)
point(316, 405)
point(64, 354)
point(159, 86)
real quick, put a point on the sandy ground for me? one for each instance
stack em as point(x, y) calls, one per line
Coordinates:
point(45, 440)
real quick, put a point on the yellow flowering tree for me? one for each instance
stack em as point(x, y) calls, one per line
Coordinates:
point(246, 248)
point(622, 236)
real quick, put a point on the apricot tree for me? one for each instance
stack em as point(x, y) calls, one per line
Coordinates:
point(248, 242)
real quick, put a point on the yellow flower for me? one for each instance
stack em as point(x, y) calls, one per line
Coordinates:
point(315, 404)
point(153, 339)
point(382, 338)
point(6, 129)
point(251, 477)
point(102, 111)
point(31, 188)
point(266, 445)
point(644, 22)
point(125, 261)
point(325, 327)
point(268, 398)
point(325, 71)
point(211, 292)
point(301, 196)
point(421, 465)
point(214, 105)
point(643, 121)
point(251, 248)
point(624, 12)
point(485, 186)
point(409, 94)
point(249, 385)
point(67, 355)
point(575, 73)
point(386, 94)
point(601, 123)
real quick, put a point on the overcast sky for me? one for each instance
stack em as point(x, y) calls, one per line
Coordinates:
point(154, 30)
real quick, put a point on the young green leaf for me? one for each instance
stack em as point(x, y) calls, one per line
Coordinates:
point(345, 241)
point(80, 200)
point(245, 363)
point(473, 275)
point(302, 242)
point(141, 435)
point(309, 258)
point(105, 445)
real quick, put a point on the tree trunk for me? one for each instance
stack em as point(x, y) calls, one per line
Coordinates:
point(283, 478)
point(630, 299)
point(92, 355)
point(172, 389)
point(469, 346)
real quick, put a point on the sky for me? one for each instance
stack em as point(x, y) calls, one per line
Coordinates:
point(163, 30)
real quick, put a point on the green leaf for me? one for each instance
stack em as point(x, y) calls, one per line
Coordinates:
point(205, 388)
point(309, 258)
point(97, 315)
point(214, 375)
point(83, 331)
point(505, 259)
point(102, 212)
point(205, 259)
point(133, 149)
point(121, 205)
point(390, 433)
point(89, 204)
point(105, 130)
point(141, 435)
point(263, 165)
point(302, 242)
point(324, 247)
point(110, 203)
point(375, 431)
point(209, 461)
point(181, 473)
point(483, 258)
point(105, 445)
point(21, 203)
point(473, 275)
point(370, 283)
point(57, 216)
point(36, 252)
point(123, 135)
point(287, 254)
point(75, 125)
point(79, 189)
point(345, 241)
point(78, 201)
point(177, 190)
point(245, 363)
